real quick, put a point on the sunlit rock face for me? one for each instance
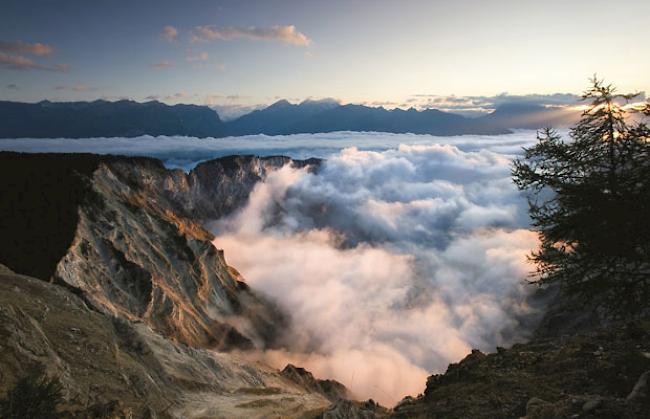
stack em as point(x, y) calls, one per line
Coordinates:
point(137, 254)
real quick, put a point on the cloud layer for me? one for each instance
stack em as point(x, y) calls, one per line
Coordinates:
point(391, 264)
point(186, 152)
point(481, 105)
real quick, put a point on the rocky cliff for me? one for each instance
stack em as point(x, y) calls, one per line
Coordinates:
point(129, 242)
point(137, 254)
point(132, 297)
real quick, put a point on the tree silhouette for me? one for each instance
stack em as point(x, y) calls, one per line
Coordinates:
point(589, 200)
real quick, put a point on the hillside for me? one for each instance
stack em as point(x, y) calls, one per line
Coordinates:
point(111, 368)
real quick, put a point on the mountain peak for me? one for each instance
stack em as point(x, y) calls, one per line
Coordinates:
point(324, 103)
point(279, 104)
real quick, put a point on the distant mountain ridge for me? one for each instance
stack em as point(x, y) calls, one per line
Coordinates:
point(102, 118)
point(127, 118)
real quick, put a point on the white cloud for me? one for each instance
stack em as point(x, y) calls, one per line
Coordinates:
point(185, 152)
point(391, 264)
point(286, 34)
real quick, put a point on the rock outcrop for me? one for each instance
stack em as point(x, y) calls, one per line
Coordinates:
point(134, 255)
point(331, 389)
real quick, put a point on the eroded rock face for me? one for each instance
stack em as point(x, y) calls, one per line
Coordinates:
point(137, 254)
point(112, 366)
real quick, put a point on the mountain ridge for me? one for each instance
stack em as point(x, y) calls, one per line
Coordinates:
point(126, 118)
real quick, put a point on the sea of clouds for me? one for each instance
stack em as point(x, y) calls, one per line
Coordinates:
point(186, 152)
point(397, 257)
point(390, 263)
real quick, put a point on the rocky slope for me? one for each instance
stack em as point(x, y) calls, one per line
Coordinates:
point(576, 366)
point(112, 368)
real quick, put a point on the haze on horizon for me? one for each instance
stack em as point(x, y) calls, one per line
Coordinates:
point(459, 56)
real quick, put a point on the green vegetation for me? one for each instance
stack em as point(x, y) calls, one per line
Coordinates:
point(589, 199)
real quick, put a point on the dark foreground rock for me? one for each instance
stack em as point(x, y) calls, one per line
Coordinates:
point(589, 375)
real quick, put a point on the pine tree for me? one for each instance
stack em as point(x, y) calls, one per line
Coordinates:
point(589, 200)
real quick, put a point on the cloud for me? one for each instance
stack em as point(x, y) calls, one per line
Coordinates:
point(169, 33)
point(480, 105)
point(186, 152)
point(76, 88)
point(285, 34)
point(12, 56)
point(390, 263)
point(20, 47)
point(203, 56)
point(64, 68)
point(178, 96)
point(163, 65)
point(19, 62)
point(13, 87)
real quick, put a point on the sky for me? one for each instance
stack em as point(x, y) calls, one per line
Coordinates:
point(242, 54)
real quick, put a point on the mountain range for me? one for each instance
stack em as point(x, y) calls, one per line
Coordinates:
point(127, 118)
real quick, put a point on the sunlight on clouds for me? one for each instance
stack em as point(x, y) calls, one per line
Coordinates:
point(391, 264)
